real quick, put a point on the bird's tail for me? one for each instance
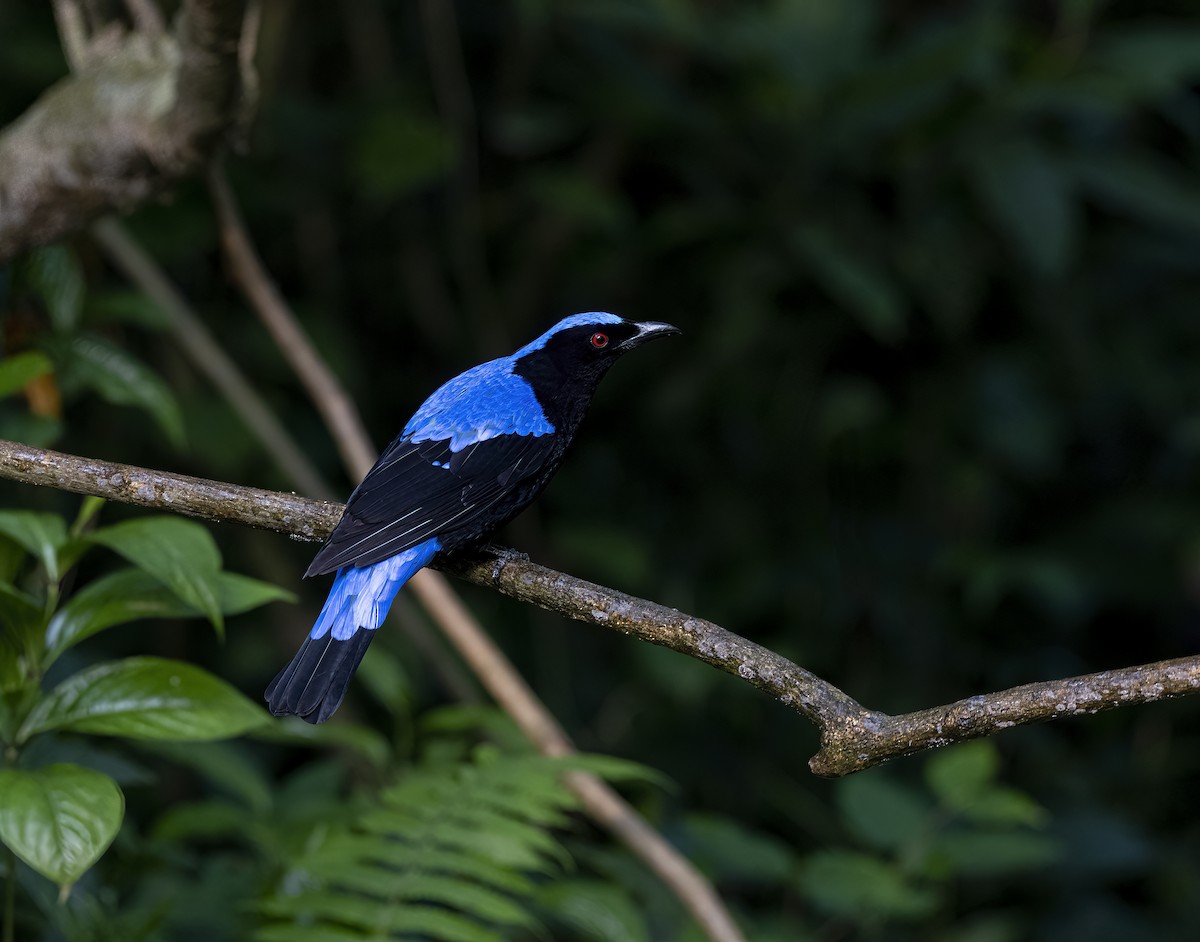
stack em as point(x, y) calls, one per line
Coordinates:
point(313, 684)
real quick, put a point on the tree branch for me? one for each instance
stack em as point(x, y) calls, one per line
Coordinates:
point(853, 737)
point(141, 112)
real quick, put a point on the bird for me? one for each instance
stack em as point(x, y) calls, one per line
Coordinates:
point(475, 454)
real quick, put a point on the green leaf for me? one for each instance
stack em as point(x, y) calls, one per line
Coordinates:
point(447, 852)
point(1002, 805)
point(732, 852)
point(237, 593)
point(125, 380)
point(1030, 201)
point(179, 553)
point(962, 774)
point(230, 766)
point(129, 594)
point(215, 818)
point(122, 596)
point(383, 675)
point(1154, 59)
point(881, 812)
point(126, 307)
point(39, 534)
point(601, 912)
point(54, 275)
point(21, 620)
point(1144, 185)
point(991, 853)
point(59, 819)
point(145, 698)
point(850, 280)
point(863, 888)
point(361, 739)
point(17, 371)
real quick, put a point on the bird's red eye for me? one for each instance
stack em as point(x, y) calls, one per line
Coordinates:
point(599, 341)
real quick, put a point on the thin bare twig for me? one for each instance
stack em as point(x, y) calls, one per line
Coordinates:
point(208, 356)
point(852, 737)
point(72, 31)
point(248, 272)
point(146, 16)
point(489, 663)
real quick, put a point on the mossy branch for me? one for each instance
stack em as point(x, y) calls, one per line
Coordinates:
point(142, 109)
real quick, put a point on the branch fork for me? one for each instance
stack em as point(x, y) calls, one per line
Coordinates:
point(853, 737)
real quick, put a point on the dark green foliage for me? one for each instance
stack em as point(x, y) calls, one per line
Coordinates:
point(453, 853)
point(931, 430)
point(60, 817)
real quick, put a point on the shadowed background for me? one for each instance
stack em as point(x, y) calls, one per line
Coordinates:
point(931, 429)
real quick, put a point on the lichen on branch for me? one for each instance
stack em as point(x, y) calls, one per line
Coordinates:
point(853, 737)
point(140, 112)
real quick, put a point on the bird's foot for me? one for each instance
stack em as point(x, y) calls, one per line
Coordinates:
point(502, 556)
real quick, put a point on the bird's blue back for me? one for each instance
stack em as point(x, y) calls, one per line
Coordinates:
point(490, 399)
point(473, 455)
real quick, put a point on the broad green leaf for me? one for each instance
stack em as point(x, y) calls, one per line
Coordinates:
point(122, 596)
point(179, 553)
point(237, 593)
point(130, 594)
point(39, 534)
point(962, 774)
point(59, 819)
point(125, 380)
point(17, 371)
point(863, 888)
point(882, 812)
point(853, 281)
point(145, 698)
point(54, 275)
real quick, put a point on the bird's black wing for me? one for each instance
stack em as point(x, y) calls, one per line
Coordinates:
point(418, 491)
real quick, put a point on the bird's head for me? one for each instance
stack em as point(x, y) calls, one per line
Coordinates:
point(578, 350)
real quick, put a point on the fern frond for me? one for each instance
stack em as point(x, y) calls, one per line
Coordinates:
point(452, 853)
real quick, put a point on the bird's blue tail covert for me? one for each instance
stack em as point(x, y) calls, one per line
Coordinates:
point(314, 683)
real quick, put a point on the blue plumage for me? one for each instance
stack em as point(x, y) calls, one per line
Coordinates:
point(360, 598)
point(485, 401)
point(473, 455)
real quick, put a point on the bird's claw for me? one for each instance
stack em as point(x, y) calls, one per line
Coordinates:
point(502, 556)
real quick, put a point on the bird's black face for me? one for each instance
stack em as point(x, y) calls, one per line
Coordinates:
point(573, 360)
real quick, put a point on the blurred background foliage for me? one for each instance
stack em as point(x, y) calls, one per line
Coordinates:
point(931, 430)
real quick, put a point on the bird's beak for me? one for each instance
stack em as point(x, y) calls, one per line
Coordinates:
point(649, 330)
